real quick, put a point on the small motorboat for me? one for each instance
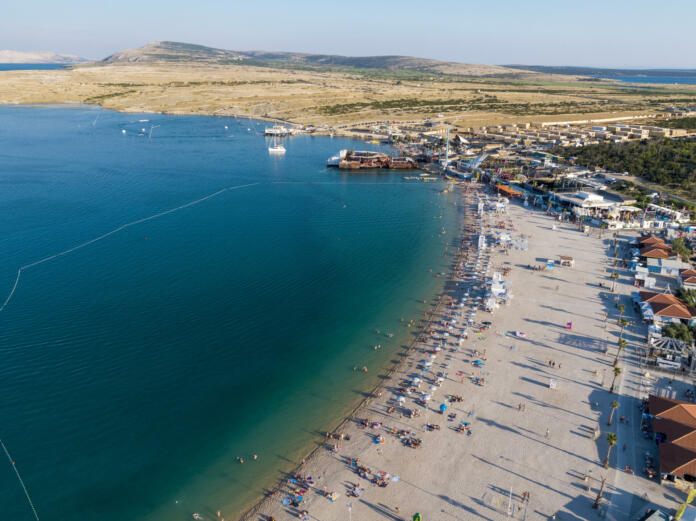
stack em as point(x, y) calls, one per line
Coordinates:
point(276, 149)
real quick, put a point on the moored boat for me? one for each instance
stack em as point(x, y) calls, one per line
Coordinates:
point(335, 160)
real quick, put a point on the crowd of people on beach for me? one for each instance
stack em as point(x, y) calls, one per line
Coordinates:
point(440, 344)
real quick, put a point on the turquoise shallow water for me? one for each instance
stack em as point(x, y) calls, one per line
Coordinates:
point(136, 369)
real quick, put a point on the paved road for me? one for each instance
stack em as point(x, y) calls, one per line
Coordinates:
point(624, 501)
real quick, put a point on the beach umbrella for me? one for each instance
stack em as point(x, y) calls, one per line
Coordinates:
point(426, 397)
point(417, 517)
point(401, 399)
point(433, 356)
point(443, 407)
point(433, 388)
point(428, 363)
point(416, 381)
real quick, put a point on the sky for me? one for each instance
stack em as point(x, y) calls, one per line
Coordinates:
point(608, 33)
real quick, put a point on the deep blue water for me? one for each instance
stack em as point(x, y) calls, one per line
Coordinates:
point(136, 369)
point(30, 66)
point(667, 76)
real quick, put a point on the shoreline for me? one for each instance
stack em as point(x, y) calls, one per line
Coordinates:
point(415, 277)
point(523, 432)
point(384, 375)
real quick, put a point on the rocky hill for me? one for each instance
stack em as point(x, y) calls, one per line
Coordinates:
point(176, 52)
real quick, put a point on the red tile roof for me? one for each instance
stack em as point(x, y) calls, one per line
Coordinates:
point(659, 404)
point(656, 252)
point(659, 298)
point(677, 460)
point(650, 239)
point(676, 419)
point(672, 310)
point(675, 432)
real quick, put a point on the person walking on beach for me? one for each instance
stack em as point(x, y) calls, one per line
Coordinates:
point(548, 433)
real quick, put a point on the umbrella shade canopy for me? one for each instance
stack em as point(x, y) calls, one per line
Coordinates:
point(443, 407)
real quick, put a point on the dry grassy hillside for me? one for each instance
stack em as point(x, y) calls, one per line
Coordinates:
point(322, 94)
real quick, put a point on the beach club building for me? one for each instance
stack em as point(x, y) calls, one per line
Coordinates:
point(667, 353)
point(663, 308)
point(674, 425)
point(667, 267)
point(652, 247)
point(587, 204)
point(687, 278)
point(609, 208)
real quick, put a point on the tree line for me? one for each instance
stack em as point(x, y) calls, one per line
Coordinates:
point(669, 162)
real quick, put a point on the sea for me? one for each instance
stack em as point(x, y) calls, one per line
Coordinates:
point(186, 299)
point(663, 76)
point(671, 80)
point(31, 66)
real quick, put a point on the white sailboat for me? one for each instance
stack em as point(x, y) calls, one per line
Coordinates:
point(276, 148)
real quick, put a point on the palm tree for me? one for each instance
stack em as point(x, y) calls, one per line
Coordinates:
point(617, 372)
point(598, 499)
point(614, 406)
point(622, 308)
point(614, 276)
point(611, 440)
point(623, 322)
point(622, 346)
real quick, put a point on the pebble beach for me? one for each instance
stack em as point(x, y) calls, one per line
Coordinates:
point(489, 413)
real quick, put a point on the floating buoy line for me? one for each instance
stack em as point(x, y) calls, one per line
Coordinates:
point(21, 481)
point(112, 232)
point(21, 269)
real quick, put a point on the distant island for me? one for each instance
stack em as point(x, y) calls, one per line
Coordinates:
point(7, 56)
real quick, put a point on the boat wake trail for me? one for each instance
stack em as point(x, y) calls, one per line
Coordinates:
point(112, 232)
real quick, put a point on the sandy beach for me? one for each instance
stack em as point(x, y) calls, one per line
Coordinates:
point(524, 435)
